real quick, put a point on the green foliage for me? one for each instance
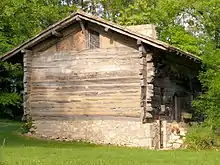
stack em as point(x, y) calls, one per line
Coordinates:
point(192, 26)
point(209, 102)
point(1, 153)
point(10, 86)
point(22, 19)
point(169, 17)
point(21, 150)
point(26, 127)
point(111, 9)
point(7, 101)
point(200, 137)
point(138, 12)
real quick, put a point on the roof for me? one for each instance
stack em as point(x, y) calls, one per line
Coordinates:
point(97, 20)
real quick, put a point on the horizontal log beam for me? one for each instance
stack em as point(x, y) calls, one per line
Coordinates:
point(87, 117)
point(57, 34)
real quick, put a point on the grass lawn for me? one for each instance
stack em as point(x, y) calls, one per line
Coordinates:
point(20, 150)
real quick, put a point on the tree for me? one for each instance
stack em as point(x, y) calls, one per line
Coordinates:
point(192, 26)
point(22, 19)
point(169, 18)
point(10, 88)
point(208, 103)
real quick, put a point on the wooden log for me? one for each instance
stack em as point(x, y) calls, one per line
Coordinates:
point(56, 34)
point(25, 52)
point(143, 72)
point(143, 114)
point(141, 47)
point(150, 66)
point(139, 42)
point(149, 57)
point(150, 86)
point(128, 114)
point(143, 61)
point(86, 117)
point(141, 76)
point(26, 80)
point(106, 29)
point(82, 27)
point(143, 82)
point(79, 81)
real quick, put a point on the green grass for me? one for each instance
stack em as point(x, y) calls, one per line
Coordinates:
point(20, 150)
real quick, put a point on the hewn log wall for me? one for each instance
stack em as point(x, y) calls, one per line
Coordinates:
point(90, 82)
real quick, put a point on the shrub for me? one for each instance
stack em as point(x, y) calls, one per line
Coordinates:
point(26, 127)
point(10, 104)
point(200, 137)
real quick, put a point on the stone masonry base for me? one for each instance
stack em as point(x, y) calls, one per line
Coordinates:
point(115, 132)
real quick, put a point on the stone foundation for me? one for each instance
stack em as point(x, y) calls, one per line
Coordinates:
point(176, 136)
point(116, 132)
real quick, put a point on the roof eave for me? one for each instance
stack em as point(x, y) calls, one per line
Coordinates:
point(38, 38)
point(69, 20)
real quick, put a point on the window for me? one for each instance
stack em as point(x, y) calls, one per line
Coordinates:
point(93, 40)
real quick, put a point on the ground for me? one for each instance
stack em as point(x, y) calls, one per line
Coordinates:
point(19, 150)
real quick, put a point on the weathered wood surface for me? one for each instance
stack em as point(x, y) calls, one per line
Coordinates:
point(143, 82)
point(27, 82)
point(110, 39)
point(172, 76)
point(72, 39)
point(98, 81)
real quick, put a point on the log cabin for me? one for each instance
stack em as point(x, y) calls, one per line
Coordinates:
point(89, 79)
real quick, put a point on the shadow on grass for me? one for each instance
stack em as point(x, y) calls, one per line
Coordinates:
point(10, 131)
